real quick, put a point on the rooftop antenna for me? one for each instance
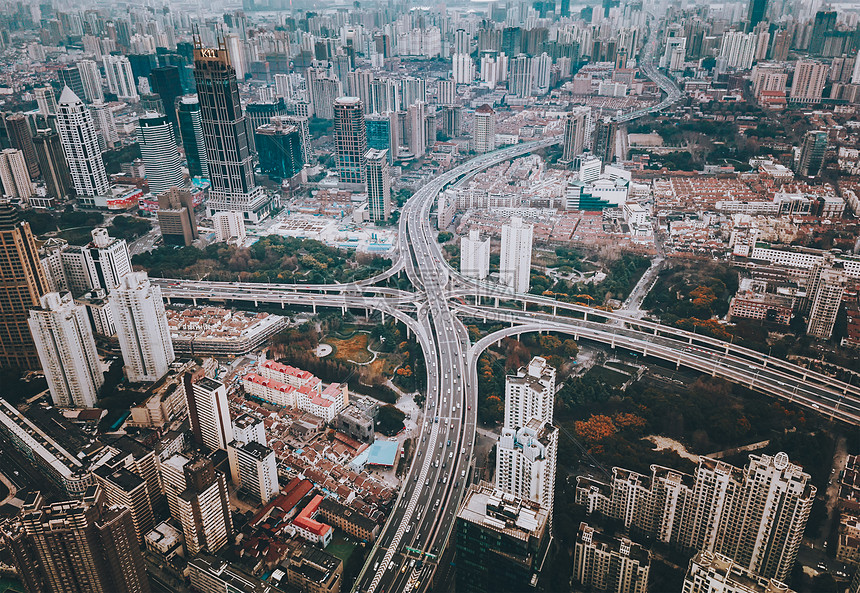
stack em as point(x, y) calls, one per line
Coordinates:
point(195, 36)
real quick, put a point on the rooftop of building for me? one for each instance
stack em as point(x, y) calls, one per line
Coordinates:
point(623, 545)
point(502, 512)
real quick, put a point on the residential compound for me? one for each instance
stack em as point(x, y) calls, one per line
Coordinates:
point(754, 516)
point(284, 385)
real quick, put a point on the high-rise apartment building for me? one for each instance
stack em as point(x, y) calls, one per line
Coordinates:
point(447, 93)
point(378, 184)
point(603, 563)
point(415, 129)
point(484, 136)
point(530, 394)
point(81, 147)
point(19, 135)
point(526, 461)
point(709, 572)
point(812, 153)
point(24, 282)
point(141, 325)
point(501, 541)
point(52, 164)
point(67, 350)
point(827, 284)
point(824, 23)
point(521, 78)
point(225, 135)
point(91, 81)
point(159, 153)
point(120, 78)
point(516, 258)
point(738, 49)
point(350, 139)
point(14, 175)
point(756, 13)
point(576, 130)
point(78, 546)
point(755, 516)
point(452, 120)
point(191, 130)
point(176, 217)
point(809, 80)
point(475, 255)
point(208, 411)
point(254, 469)
point(105, 123)
point(124, 488)
point(198, 500)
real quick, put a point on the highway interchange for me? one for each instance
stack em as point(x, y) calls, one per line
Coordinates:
point(417, 531)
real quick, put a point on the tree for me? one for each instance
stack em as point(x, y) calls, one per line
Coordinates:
point(444, 237)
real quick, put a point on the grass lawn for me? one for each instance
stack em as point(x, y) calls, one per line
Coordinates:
point(611, 377)
point(354, 349)
point(340, 547)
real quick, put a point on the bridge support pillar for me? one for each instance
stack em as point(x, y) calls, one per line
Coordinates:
point(282, 304)
point(612, 344)
point(554, 310)
point(524, 306)
point(343, 310)
point(477, 299)
point(167, 299)
point(655, 331)
point(367, 313)
point(256, 304)
point(408, 332)
point(678, 363)
point(314, 305)
point(585, 316)
point(383, 317)
point(497, 302)
point(194, 300)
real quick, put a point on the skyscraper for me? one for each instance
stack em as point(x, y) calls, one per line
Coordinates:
point(67, 351)
point(812, 153)
point(141, 325)
point(120, 78)
point(756, 13)
point(166, 82)
point(475, 255)
point(52, 163)
point(516, 258)
point(23, 284)
point(378, 184)
point(452, 120)
point(350, 138)
point(197, 498)
point(280, 149)
point(91, 81)
point(260, 114)
point(176, 217)
point(159, 153)
point(81, 147)
point(501, 541)
point(575, 133)
point(208, 411)
point(46, 100)
point(191, 129)
point(604, 140)
point(825, 22)
point(484, 137)
point(19, 134)
point(77, 546)
point(70, 77)
point(415, 128)
point(14, 174)
point(124, 488)
point(225, 135)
